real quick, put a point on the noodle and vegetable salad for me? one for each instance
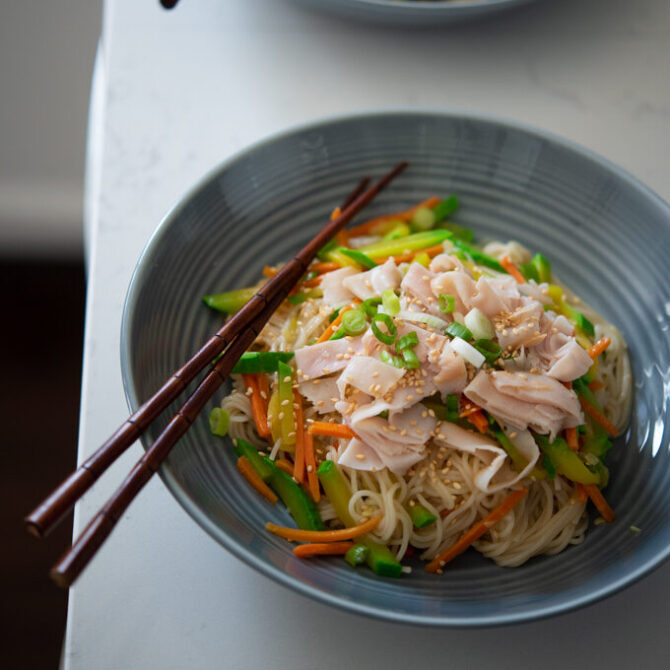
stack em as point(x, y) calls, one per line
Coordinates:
point(420, 394)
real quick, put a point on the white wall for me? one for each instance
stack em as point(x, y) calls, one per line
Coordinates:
point(47, 48)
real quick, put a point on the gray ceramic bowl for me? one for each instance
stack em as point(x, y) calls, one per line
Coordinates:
point(405, 13)
point(607, 236)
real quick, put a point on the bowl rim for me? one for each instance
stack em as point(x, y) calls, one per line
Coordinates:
point(535, 611)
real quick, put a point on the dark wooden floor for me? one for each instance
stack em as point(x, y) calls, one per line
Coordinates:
point(41, 343)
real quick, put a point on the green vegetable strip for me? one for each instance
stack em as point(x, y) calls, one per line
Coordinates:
point(399, 230)
point(408, 341)
point(410, 359)
point(264, 468)
point(230, 301)
point(339, 333)
point(478, 256)
point(420, 516)
point(261, 362)
point(336, 488)
point(567, 462)
point(390, 301)
point(515, 455)
point(301, 507)
point(445, 208)
point(285, 387)
point(218, 421)
point(488, 348)
point(458, 232)
point(413, 242)
point(453, 408)
point(357, 554)
point(458, 330)
point(359, 257)
point(529, 271)
point(549, 466)
point(390, 359)
point(542, 267)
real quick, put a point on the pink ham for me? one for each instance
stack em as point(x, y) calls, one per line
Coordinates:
point(369, 375)
point(322, 393)
point(526, 400)
point(374, 282)
point(416, 284)
point(520, 327)
point(495, 295)
point(324, 358)
point(334, 291)
point(460, 285)
point(452, 375)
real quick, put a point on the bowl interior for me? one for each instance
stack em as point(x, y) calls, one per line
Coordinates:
point(607, 237)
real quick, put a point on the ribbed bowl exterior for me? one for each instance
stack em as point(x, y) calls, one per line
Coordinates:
point(608, 238)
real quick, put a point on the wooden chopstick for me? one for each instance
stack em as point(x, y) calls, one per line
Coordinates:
point(50, 511)
point(268, 299)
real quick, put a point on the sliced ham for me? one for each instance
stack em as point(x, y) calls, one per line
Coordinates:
point(445, 263)
point(452, 374)
point(456, 283)
point(520, 327)
point(496, 474)
point(526, 400)
point(417, 285)
point(360, 456)
point(495, 295)
point(374, 282)
point(322, 393)
point(334, 290)
point(369, 375)
point(324, 358)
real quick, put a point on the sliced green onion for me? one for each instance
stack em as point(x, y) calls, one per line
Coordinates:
point(479, 324)
point(446, 207)
point(410, 360)
point(329, 246)
point(356, 555)
point(390, 301)
point(457, 330)
point(354, 322)
point(219, 420)
point(479, 256)
point(422, 258)
point(230, 302)
point(385, 338)
point(447, 303)
point(422, 317)
point(359, 257)
point(423, 219)
point(390, 359)
point(370, 306)
point(549, 466)
point(408, 341)
point(488, 348)
point(401, 229)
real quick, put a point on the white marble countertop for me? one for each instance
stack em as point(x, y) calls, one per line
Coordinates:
point(175, 93)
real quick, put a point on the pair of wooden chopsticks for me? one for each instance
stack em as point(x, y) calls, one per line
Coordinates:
point(234, 338)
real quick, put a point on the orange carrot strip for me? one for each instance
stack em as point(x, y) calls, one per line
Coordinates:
point(597, 498)
point(596, 385)
point(310, 466)
point(297, 535)
point(409, 256)
point(469, 407)
point(254, 479)
point(512, 269)
point(335, 213)
point(335, 324)
point(299, 465)
point(582, 495)
point(597, 416)
point(322, 549)
point(311, 283)
point(477, 531)
point(479, 421)
point(599, 347)
point(367, 227)
point(331, 429)
point(323, 267)
point(259, 407)
point(285, 465)
point(572, 439)
point(269, 271)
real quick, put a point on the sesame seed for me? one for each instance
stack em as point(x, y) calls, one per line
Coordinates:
point(310, 468)
point(249, 391)
point(316, 381)
point(283, 403)
point(264, 395)
point(287, 379)
point(360, 457)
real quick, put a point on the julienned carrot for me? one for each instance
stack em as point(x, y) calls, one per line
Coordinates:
point(479, 421)
point(512, 269)
point(582, 495)
point(297, 535)
point(597, 416)
point(477, 531)
point(322, 549)
point(335, 324)
point(255, 480)
point(331, 430)
point(596, 385)
point(325, 266)
point(285, 465)
point(593, 492)
point(572, 439)
point(311, 283)
point(257, 386)
point(270, 271)
point(310, 466)
point(599, 347)
point(469, 407)
point(299, 464)
point(367, 227)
